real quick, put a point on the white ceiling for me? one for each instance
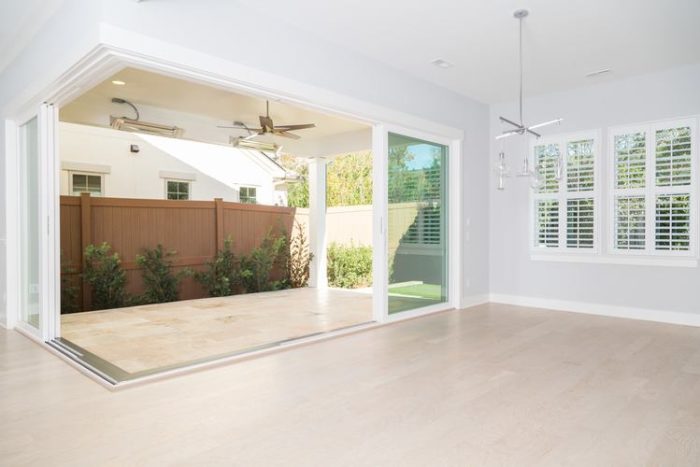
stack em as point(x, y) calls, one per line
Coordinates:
point(564, 39)
point(20, 20)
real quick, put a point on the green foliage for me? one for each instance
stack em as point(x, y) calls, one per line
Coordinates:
point(298, 258)
point(349, 266)
point(158, 279)
point(297, 192)
point(103, 272)
point(408, 182)
point(348, 181)
point(222, 276)
point(257, 267)
point(69, 289)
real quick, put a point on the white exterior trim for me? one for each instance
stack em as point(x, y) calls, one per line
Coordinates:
point(615, 311)
point(181, 176)
point(85, 167)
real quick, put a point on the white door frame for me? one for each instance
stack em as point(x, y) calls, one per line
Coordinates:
point(120, 48)
point(49, 241)
point(380, 148)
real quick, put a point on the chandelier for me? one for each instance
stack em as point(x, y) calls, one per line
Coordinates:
point(513, 128)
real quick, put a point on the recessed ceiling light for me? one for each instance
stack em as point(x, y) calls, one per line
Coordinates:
point(441, 63)
point(598, 72)
point(118, 82)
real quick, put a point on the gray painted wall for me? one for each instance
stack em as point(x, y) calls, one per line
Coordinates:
point(669, 94)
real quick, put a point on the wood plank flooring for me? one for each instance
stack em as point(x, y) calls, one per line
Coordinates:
point(492, 385)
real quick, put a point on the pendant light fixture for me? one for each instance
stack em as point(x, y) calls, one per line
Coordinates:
point(520, 128)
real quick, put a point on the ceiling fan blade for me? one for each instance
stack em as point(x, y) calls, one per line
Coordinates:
point(295, 127)
point(285, 134)
point(254, 130)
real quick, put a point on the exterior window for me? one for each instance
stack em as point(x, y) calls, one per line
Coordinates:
point(177, 189)
point(248, 195)
point(564, 209)
point(653, 188)
point(86, 183)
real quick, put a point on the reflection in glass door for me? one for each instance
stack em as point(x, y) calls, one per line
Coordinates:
point(417, 223)
point(29, 234)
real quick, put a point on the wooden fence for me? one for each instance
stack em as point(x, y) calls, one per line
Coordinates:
point(194, 229)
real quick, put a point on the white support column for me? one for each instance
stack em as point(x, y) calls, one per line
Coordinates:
point(317, 222)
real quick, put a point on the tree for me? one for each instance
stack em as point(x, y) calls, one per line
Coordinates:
point(348, 180)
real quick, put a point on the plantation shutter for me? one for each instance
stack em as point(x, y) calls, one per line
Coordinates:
point(580, 185)
point(673, 157)
point(564, 210)
point(653, 211)
point(630, 160)
point(547, 157)
point(547, 223)
point(579, 223)
point(580, 166)
point(673, 222)
point(630, 223)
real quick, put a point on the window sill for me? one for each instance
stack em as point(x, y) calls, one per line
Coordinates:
point(613, 259)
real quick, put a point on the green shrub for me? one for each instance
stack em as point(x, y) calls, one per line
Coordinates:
point(349, 267)
point(298, 258)
point(158, 279)
point(222, 276)
point(69, 289)
point(103, 272)
point(257, 267)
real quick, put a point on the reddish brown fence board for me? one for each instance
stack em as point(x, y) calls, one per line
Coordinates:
point(193, 229)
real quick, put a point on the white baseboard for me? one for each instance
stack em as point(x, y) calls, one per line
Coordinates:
point(474, 300)
point(645, 314)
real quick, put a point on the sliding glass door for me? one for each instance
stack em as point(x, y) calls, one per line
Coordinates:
point(35, 290)
point(29, 232)
point(417, 234)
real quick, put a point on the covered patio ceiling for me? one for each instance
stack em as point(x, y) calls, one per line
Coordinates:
point(200, 108)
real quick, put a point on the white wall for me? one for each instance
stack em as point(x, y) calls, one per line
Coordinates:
point(229, 32)
point(674, 93)
point(218, 170)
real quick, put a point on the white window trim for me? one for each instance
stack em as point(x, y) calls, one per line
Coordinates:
point(165, 188)
point(240, 187)
point(103, 189)
point(651, 191)
point(562, 196)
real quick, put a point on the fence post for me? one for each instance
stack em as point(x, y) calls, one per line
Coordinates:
point(85, 240)
point(219, 219)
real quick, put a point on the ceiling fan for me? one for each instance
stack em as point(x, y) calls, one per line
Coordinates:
point(267, 127)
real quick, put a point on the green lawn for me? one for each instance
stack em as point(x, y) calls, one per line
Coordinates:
point(427, 291)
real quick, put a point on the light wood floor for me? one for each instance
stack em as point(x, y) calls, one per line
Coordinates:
point(143, 338)
point(493, 385)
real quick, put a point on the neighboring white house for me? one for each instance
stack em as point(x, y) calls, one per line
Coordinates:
point(114, 163)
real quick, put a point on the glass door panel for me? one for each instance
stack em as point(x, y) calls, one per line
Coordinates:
point(29, 233)
point(417, 223)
